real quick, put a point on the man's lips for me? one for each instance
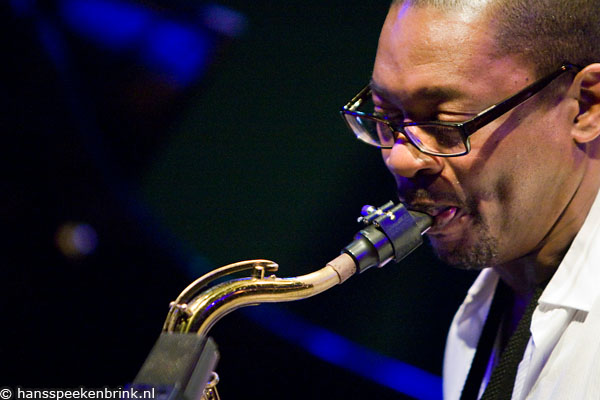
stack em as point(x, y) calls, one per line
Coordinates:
point(443, 216)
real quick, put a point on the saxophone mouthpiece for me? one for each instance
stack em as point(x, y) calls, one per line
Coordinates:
point(391, 233)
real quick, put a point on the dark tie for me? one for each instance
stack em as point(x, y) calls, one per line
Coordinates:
point(503, 376)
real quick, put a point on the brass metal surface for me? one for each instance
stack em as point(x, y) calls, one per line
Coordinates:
point(198, 314)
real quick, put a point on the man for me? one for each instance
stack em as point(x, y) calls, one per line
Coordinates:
point(512, 190)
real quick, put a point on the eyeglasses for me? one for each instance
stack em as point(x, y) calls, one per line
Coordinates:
point(436, 138)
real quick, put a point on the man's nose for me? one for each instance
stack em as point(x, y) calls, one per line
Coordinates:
point(406, 160)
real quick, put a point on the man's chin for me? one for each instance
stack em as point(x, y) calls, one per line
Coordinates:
point(465, 255)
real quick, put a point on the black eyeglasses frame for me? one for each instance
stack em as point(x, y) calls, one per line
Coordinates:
point(468, 127)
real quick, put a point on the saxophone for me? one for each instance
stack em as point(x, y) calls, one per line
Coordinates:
point(181, 364)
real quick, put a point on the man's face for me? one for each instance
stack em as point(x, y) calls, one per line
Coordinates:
point(501, 201)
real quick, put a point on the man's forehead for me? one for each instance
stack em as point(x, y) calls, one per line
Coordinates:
point(467, 9)
point(437, 55)
point(432, 91)
point(427, 33)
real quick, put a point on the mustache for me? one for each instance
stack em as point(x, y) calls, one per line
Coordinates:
point(421, 199)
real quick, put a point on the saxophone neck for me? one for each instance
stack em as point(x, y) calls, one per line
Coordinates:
point(203, 311)
point(391, 232)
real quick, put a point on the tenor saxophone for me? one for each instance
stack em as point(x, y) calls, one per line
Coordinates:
point(391, 232)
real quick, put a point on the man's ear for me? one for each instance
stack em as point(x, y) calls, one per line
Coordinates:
point(586, 126)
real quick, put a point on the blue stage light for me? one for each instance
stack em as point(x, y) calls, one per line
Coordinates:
point(344, 353)
point(177, 51)
point(116, 25)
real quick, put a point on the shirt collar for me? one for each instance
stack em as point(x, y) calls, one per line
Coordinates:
point(575, 282)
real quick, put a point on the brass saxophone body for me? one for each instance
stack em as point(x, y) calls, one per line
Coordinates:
point(391, 232)
point(201, 312)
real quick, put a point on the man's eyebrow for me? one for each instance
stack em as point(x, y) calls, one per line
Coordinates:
point(428, 93)
point(379, 90)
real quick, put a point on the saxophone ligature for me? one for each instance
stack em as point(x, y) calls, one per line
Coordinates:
point(181, 364)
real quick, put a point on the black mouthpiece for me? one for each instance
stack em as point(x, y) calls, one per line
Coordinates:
point(392, 233)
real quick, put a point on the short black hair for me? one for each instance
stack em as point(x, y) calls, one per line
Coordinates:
point(543, 33)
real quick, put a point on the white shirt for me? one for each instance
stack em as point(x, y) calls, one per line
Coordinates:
point(562, 358)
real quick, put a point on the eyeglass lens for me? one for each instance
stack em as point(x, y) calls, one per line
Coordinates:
point(429, 138)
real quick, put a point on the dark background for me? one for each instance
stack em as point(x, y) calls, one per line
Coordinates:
point(245, 157)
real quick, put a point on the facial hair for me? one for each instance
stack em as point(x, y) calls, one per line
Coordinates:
point(476, 250)
point(481, 252)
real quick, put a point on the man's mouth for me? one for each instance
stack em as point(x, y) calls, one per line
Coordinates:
point(443, 217)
